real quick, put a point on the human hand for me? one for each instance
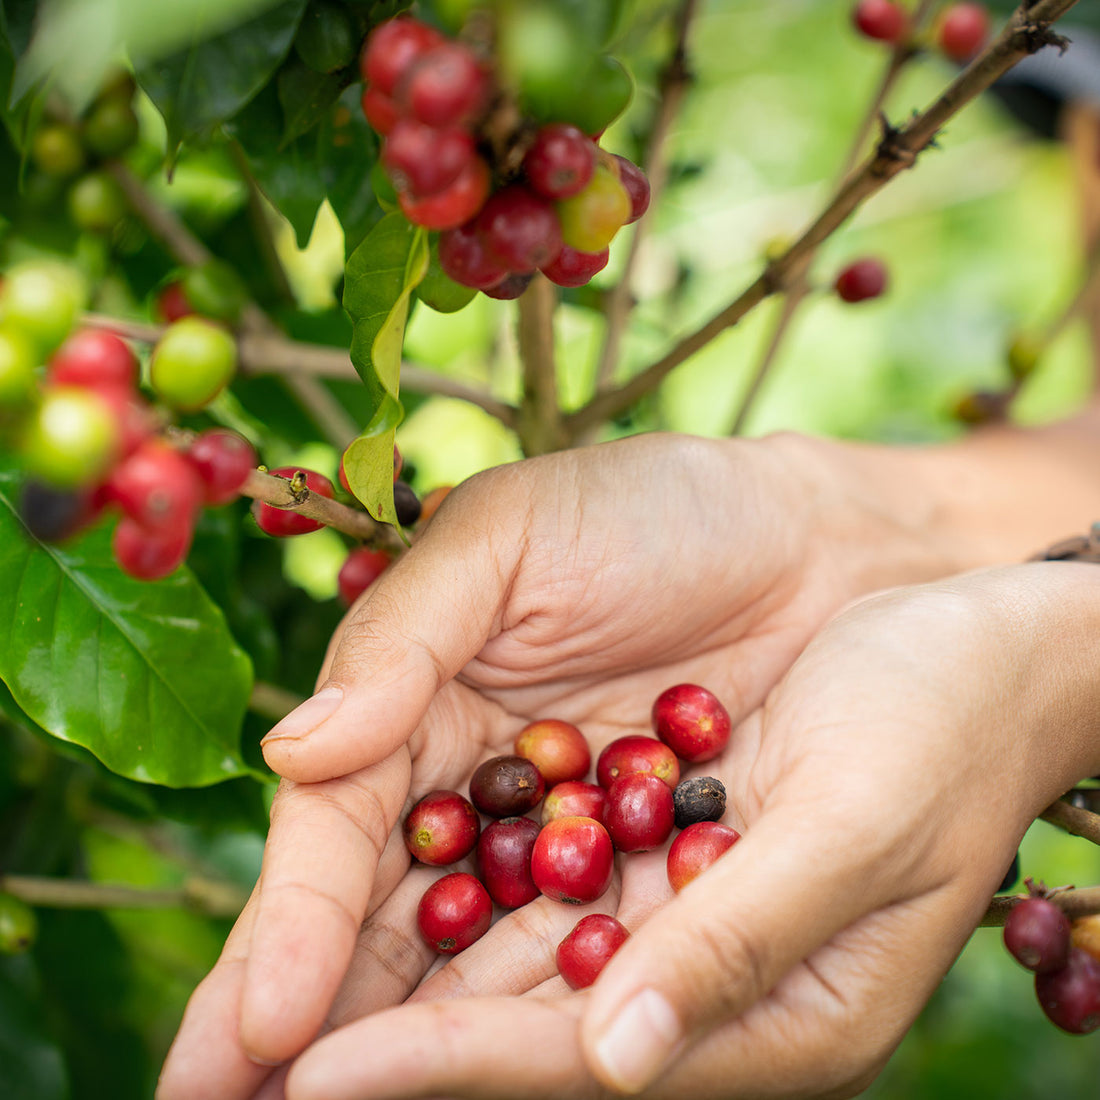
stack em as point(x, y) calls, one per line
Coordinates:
point(882, 789)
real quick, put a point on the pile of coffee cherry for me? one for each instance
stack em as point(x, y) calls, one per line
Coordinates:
point(568, 853)
point(1064, 955)
point(541, 198)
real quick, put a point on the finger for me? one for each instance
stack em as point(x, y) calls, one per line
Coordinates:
point(206, 1058)
point(323, 849)
point(724, 943)
point(425, 618)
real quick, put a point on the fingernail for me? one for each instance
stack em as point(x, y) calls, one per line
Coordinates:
point(307, 716)
point(639, 1042)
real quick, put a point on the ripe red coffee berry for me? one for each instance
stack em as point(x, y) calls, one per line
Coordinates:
point(361, 568)
point(574, 799)
point(510, 288)
point(455, 204)
point(172, 303)
point(573, 268)
point(379, 110)
point(465, 257)
point(424, 160)
point(558, 749)
point(573, 860)
point(1070, 996)
point(392, 48)
point(504, 861)
point(560, 162)
point(520, 228)
point(696, 848)
point(506, 786)
point(962, 31)
point(454, 912)
point(223, 461)
point(157, 487)
point(94, 357)
point(441, 828)
point(588, 948)
point(882, 20)
point(637, 187)
point(692, 722)
point(639, 814)
point(862, 280)
point(282, 522)
point(631, 755)
point(444, 86)
point(150, 555)
point(1037, 935)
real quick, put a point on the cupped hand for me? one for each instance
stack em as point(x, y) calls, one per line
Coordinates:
point(575, 586)
point(883, 789)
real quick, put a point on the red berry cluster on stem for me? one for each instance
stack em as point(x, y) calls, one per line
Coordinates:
point(431, 98)
point(568, 854)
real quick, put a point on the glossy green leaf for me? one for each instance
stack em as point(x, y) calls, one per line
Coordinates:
point(143, 674)
point(207, 84)
point(306, 98)
point(380, 278)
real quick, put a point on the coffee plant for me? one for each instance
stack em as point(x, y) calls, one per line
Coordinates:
point(274, 277)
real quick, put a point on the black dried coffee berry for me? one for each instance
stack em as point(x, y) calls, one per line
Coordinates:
point(695, 800)
point(405, 503)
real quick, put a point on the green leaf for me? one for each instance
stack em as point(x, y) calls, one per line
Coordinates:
point(306, 98)
point(380, 278)
point(143, 674)
point(33, 1065)
point(207, 84)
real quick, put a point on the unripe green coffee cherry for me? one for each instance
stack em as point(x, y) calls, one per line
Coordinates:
point(96, 203)
point(41, 300)
point(71, 439)
point(17, 368)
point(192, 363)
point(56, 150)
point(18, 925)
point(111, 126)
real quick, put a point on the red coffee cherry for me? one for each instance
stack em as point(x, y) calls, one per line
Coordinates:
point(423, 160)
point(149, 555)
point(455, 204)
point(465, 257)
point(379, 110)
point(637, 187)
point(223, 460)
point(1037, 935)
point(172, 303)
point(573, 268)
point(504, 861)
point(588, 948)
point(361, 568)
point(510, 288)
point(573, 860)
point(696, 848)
point(882, 20)
point(454, 912)
point(506, 786)
point(560, 162)
point(639, 814)
point(157, 487)
point(520, 228)
point(862, 280)
point(441, 828)
point(558, 749)
point(95, 358)
point(962, 31)
point(630, 755)
point(574, 799)
point(692, 722)
point(392, 48)
point(1070, 996)
point(445, 86)
point(282, 522)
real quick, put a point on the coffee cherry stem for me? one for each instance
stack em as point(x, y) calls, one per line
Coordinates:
point(1073, 901)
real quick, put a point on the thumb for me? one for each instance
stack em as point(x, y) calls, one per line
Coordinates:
point(721, 945)
point(424, 618)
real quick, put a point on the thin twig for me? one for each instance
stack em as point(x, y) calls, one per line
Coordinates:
point(1075, 821)
point(271, 701)
point(281, 492)
point(1025, 33)
point(1074, 903)
point(674, 82)
point(539, 421)
point(207, 896)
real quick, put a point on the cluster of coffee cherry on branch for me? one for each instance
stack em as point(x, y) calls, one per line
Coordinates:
point(509, 193)
point(568, 852)
point(959, 31)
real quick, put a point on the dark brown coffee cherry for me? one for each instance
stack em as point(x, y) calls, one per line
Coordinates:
point(695, 800)
point(1037, 935)
point(506, 786)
